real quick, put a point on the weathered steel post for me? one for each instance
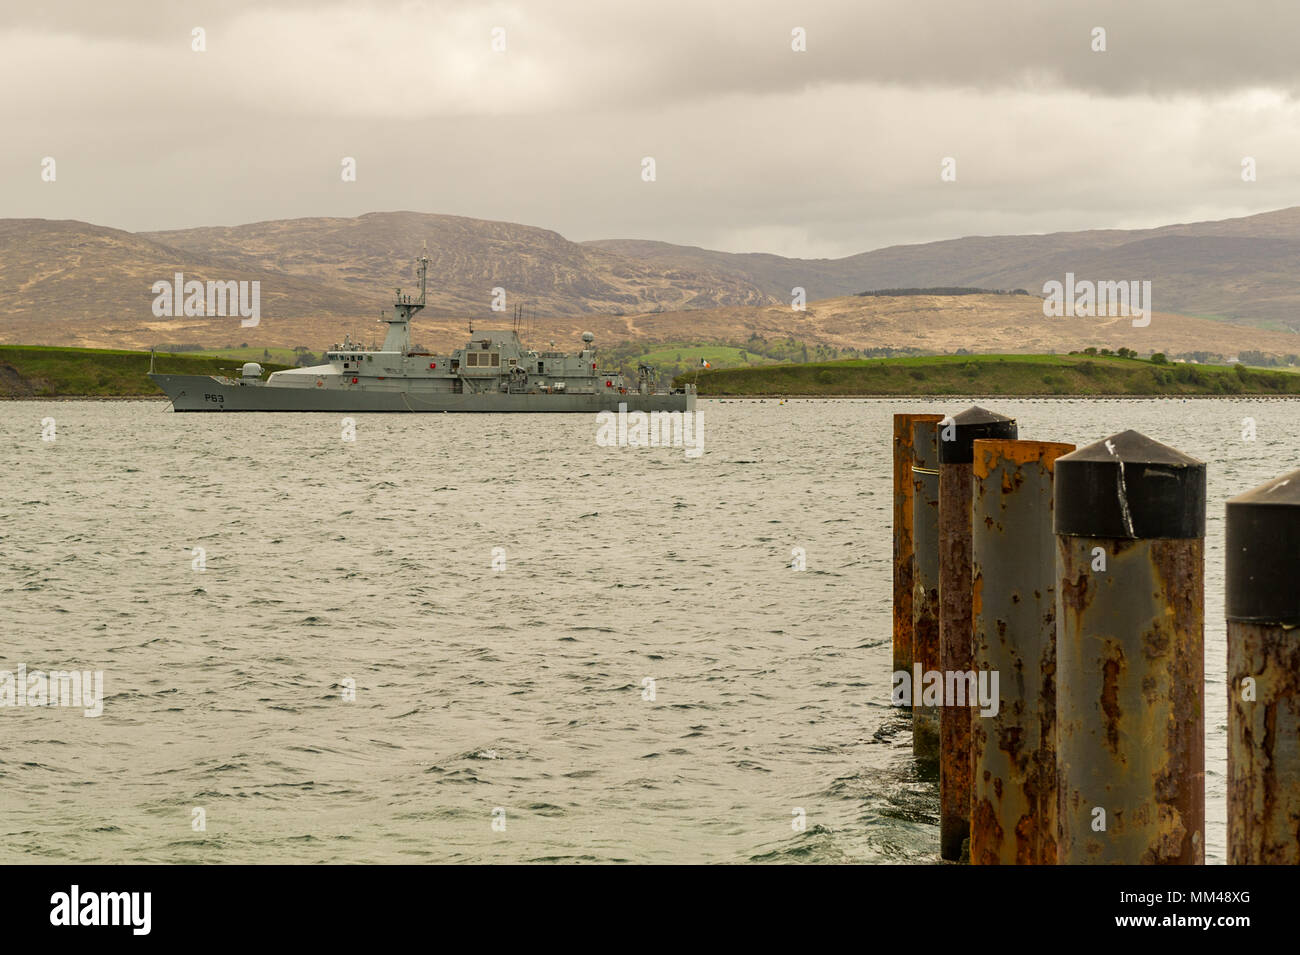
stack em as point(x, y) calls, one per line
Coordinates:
point(925, 600)
point(956, 436)
point(1130, 653)
point(903, 547)
point(1263, 609)
point(1013, 606)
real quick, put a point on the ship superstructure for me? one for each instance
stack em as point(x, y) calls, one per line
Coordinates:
point(492, 372)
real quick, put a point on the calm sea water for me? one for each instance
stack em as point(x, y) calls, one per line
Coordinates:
point(477, 689)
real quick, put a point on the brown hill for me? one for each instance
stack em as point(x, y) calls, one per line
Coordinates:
point(1245, 270)
point(71, 283)
point(371, 254)
point(68, 282)
point(1007, 324)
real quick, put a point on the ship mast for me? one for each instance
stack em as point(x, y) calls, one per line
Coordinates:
point(398, 338)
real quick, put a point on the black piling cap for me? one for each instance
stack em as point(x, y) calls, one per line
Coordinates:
point(925, 445)
point(963, 429)
point(1263, 551)
point(1129, 487)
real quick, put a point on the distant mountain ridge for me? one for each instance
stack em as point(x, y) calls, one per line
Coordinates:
point(73, 283)
point(65, 271)
point(1245, 269)
point(468, 258)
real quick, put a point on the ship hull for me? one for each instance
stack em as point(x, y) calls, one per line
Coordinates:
point(204, 393)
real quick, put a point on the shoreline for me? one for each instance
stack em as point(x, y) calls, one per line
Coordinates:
point(1245, 396)
point(83, 398)
point(1003, 396)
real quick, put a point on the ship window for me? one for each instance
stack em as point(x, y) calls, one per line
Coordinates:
point(471, 358)
point(514, 361)
point(539, 367)
point(496, 359)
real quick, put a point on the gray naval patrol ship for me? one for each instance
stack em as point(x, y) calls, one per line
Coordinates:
point(493, 372)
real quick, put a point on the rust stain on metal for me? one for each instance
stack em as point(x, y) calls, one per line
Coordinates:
point(1110, 698)
point(925, 601)
point(1045, 791)
point(989, 453)
point(1013, 633)
point(1180, 785)
point(1074, 593)
point(1130, 658)
point(1263, 744)
point(955, 592)
point(904, 488)
point(984, 819)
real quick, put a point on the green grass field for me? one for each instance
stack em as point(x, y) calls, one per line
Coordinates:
point(42, 372)
point(994, 375)
point(35, 371)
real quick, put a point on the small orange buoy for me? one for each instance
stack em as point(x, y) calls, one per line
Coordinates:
point(354, 381)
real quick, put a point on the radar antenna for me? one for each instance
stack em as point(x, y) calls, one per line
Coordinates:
point(399, 318)
point(405, 306)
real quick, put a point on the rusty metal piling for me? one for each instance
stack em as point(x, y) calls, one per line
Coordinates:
point(925, 582)
point(904, 485)
point(1130, 654)
point(1013, 609)
point(1263, 611)
point(956, 437)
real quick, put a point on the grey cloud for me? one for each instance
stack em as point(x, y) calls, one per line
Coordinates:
point(640, 54)
point(827, 152)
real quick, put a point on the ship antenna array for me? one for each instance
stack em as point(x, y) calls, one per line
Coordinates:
point(404, 303)
point(424, 271)
point(523, 320)
point(405, 307)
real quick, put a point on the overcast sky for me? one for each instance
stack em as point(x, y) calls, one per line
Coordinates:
point(757, 147)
